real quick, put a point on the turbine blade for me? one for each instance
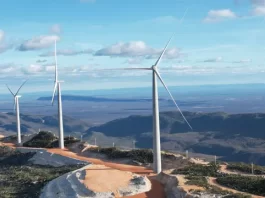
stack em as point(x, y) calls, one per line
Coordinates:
point(55, 57)
point(129, 68)
point(163, 52)
point(184, 15)
point(21, 86)
point(54, 91)
point(160, 78)
point(10, 90)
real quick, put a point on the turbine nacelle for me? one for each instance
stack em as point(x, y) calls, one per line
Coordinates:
point(154, 67)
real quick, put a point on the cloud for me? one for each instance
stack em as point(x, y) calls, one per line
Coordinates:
point(56, 29)
point(4, 46)
point(258, 7)
point(2, 35)
point(258, 2)
point(219, 15)
point(38, 43)
point(259, 10)
point(41, 61)
point(243, 61)
point(133, 61)
point(136, 49)
point(218, 59)
point(67, 52)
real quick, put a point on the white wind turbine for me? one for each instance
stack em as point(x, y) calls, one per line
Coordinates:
point(156, 125)
point(57, 88)
point(16, 107)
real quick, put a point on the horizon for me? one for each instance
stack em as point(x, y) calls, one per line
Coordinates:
point(93, 92)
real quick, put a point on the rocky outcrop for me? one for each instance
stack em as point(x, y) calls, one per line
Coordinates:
point(70, 185)
point(42, 157)
point(171, 186)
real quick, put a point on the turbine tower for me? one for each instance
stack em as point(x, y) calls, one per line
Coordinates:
point(57, 87)
point(16, 107)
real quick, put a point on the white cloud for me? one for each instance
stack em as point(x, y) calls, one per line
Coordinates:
point(243, 61)
point(38, 43)
point(259, 10)
point(2, 35)
point(217, 59)
point(219, 15)
point(3, 45)
point(67, 52)
point(56, 29)
point(133, 61)
point(136, 49)
point(258, 7)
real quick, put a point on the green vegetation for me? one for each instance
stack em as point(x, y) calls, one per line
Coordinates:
point(42, 140)
point(198, 170)
point(246, 168)
point(197, 180)
point(140, 155)
point(19, 179)
point(253, 185)
point(46, 139)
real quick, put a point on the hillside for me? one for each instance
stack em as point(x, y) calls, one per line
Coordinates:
point(32, 124)
point(233, 137)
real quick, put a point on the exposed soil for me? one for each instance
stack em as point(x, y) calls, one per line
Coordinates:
point(95, 174)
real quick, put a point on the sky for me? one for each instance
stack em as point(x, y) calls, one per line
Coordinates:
point(215, 42)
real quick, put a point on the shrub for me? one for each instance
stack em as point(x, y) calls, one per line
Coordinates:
point(253, 185)
point(197, 180)
point(67, 142)
point(42, 140)
point(198, 170)
point(140, 155)
point(246, 168)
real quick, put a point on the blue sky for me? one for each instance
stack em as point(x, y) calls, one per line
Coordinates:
point(218, 42)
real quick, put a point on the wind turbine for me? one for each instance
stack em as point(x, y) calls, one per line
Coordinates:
point(57, 87)
point(16, 107)
point(156, 125)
